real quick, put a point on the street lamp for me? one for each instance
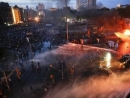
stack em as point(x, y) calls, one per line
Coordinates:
point(30, 46)
point(62, 71)
point(67, 37)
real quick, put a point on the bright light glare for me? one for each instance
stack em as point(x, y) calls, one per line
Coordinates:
point(127, 32)
point(36, 18)
point(108, 60)
point(118, 5)
point(73, 44)
point(68, 19)
point(14, 18)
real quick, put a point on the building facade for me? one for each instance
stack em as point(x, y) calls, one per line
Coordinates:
point(32, 14)
point(6, 17)
point(16, 14)
point(85, 4)
point(40, 11)
point(24, 14)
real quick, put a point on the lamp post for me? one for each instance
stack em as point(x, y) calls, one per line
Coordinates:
point(30, 46)
point(67, 36)
point(62, 72)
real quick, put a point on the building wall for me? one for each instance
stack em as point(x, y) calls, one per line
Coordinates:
point(5, 14)
point(85, 4)
point(23, 14)
point(16, 15)
point(32, 14)
point(41, 7)
point(91, 4)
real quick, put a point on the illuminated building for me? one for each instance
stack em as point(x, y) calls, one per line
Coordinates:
point(41, 7)
point(24, 14)
point(31, 14)
point(40, 11)
point(16, 14)
point(85, 4)
point(52, 9)
point(5, 14)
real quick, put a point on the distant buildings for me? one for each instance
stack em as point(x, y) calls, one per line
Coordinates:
point(122, 6)
point(52, 9)
point(41, 6)
point(31, 14)
point(40, 12)
point(14, 15)
point(85, 4)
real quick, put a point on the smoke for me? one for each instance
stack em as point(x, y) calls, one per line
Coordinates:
point(62, 3)
point(47, 3)
point(115, 86)
point(99, 5)
point(56, 3)
point(98, 86)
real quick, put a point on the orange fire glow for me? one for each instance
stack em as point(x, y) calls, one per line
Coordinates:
point(125, 36)
point(127, 32)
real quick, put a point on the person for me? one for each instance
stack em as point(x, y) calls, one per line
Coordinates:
point(98, 40)
point(22, 90)
point(116, 45)
point(48, 85)
point(38, 68)
point(45, 89)
point(46, 69)
point(38, 64)
point(32, 64)
point(30, 87)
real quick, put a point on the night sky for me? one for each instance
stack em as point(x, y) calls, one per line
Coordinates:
point(53, 3)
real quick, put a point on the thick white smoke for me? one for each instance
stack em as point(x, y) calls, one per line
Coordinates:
point(116, 86)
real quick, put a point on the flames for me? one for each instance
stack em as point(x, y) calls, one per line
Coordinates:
point(127, 32)
point(125, 36)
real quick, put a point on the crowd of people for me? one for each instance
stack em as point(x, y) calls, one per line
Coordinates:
point(15, 38)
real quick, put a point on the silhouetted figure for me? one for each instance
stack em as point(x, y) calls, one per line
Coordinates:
point(32, 64)
point(38, 69)
point(22, 90)
point(46, 69)
point(38, 64)
point(31, 88)
point(45, 89)
point(48, 85)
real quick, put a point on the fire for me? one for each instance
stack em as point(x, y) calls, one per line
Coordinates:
point(127, 32)
point(125, 36)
